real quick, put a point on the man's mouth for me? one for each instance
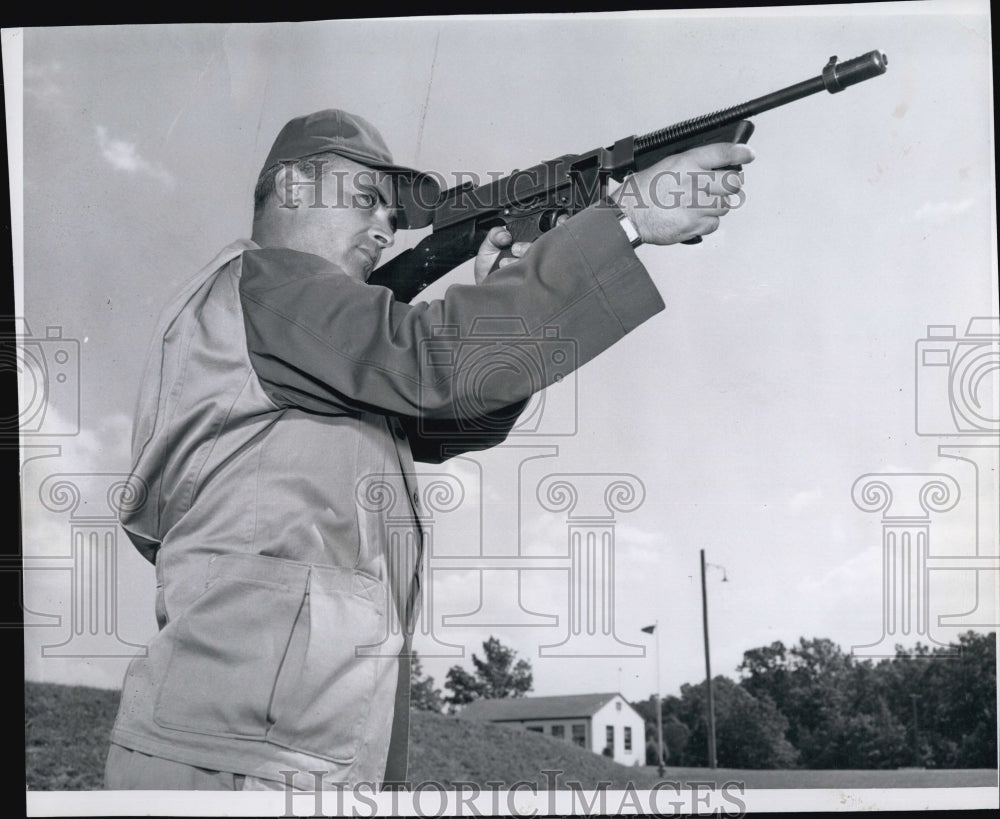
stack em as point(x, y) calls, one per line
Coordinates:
point(371, 255)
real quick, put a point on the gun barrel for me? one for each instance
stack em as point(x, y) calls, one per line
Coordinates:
point(838, 77)
point(835, 77)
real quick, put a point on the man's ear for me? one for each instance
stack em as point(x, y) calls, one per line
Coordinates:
point(286, 187)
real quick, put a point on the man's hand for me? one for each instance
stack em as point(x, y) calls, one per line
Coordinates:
point(684, 196)
point(489, 251)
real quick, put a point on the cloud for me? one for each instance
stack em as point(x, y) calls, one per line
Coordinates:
point(804, 500)
point(64, 498)
point(96, 456)
point(124, 156)
point(41, 82)
point(942, 211)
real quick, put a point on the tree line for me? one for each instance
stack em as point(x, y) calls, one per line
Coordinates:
point(813, 706)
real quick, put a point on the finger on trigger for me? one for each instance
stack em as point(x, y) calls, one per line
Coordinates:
point(500, 236)
point(520, 248)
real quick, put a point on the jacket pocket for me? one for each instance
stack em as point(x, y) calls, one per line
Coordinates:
point(227, 647)
point(326, 689)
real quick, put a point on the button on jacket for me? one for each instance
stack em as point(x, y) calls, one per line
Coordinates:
point(280, 412)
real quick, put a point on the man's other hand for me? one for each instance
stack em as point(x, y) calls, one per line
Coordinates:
point(497, 240)
point(684, 195)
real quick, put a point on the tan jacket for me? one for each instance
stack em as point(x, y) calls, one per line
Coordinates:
point(273, 439)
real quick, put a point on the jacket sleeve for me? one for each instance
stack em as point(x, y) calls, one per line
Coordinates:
point(324, 342)
point(434, 440)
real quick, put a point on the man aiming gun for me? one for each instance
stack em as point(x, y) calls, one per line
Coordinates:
point(276, 380)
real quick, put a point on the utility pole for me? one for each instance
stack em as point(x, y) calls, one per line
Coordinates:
point(708, 670)
point(659, 709)
point(655, 629)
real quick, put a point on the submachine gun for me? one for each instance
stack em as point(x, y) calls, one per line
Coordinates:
point(529, 202)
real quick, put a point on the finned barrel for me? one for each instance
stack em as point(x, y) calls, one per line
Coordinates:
point(835, 77)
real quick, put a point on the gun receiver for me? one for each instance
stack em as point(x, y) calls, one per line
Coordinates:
point(529, 202)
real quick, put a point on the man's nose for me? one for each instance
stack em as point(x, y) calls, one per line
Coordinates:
point(381, 228)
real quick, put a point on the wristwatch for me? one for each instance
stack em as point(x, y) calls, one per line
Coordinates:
point(627, 224)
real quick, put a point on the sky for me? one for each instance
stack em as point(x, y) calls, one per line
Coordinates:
point(789, 361)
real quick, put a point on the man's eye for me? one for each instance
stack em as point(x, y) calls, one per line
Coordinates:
point(366, 200)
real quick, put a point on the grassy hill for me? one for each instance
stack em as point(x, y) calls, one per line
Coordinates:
point(67, 729)
point(448, 749)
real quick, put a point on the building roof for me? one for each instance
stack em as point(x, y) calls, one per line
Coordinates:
point(523, 708)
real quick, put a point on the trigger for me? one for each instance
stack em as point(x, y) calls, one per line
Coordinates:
point(505, 253)
point(550, 219)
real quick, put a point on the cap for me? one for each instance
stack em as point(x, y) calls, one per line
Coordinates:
point(348, 135)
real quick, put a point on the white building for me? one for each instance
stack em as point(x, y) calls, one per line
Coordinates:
point(592, 721)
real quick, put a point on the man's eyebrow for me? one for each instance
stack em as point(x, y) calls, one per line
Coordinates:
point(381, 187)
point(386, 203)
point(386, 189)
point(384, 198)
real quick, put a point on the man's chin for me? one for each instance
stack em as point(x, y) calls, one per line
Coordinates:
point(364, 267)
point(357, 270)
